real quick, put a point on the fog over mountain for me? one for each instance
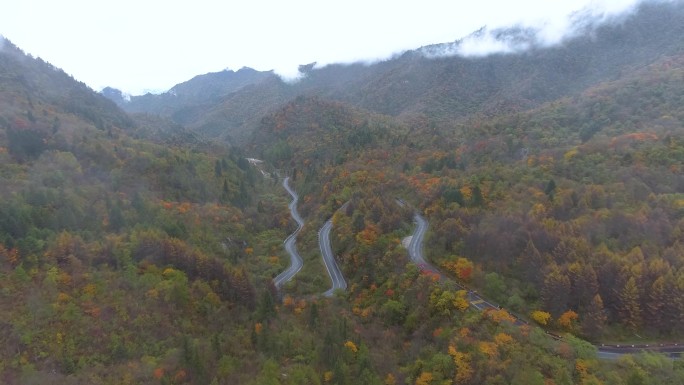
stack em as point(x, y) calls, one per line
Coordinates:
point(137, 48)
point(525, 36)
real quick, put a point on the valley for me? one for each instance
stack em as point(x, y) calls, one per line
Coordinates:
point(515, 218)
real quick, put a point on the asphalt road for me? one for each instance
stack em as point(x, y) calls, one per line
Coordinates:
point(334, 272)
point(415, 247)
point(415, 250)
point(296, 261)
point(673, 350)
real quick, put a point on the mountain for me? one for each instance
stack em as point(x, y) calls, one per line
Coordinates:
point(446, 89)
point(551, 184)
point(114, 95)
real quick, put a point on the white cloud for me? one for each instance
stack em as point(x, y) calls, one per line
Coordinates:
point(535, 32)
point(289, 74)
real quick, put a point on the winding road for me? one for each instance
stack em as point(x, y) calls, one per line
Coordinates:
point(296, 261)
point(415, 247)
point(334, 272)
point(415, 250)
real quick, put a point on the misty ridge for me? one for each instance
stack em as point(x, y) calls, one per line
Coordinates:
point(488, 41)
point(519, 38)
point(492, 69)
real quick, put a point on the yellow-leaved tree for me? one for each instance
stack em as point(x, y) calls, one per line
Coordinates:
point(541, 317)
point(425, 378)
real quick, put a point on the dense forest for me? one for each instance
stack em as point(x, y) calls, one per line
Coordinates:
point(139, 247)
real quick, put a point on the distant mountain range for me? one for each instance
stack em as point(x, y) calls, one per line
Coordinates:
point(198, 91)
point(419, 84)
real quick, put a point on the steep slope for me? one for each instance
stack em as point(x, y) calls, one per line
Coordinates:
point(112, 248)
point(452, 88)
point(37, 82)
point(456, 87)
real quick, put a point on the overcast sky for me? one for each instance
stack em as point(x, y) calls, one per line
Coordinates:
point(151, 45)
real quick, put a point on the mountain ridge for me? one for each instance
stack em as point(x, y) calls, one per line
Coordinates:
point(446, 89)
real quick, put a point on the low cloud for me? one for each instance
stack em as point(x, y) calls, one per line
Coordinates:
point(294, 73)
point(532, 34)
point(290, 74)
point(486, 42)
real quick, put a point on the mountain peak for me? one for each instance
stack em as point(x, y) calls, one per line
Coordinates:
point(115, 95)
